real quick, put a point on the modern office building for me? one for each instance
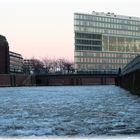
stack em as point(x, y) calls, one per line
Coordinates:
point(4, 55)
point(105, 41)
point(16, 62)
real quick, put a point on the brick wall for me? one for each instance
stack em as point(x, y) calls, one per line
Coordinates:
point(5, 80)
point(25, 80)
point(74, 80)
point(16, 80)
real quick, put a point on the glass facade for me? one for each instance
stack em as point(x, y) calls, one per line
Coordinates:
point(105, 41)
point(92, 60)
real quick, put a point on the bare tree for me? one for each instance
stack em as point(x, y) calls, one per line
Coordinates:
point(65, 65)
point(26, 69)
point(48, 65)
point(38, 66)
point(60, 65)
point(68, 66)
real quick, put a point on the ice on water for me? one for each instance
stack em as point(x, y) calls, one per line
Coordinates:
point(68, 111)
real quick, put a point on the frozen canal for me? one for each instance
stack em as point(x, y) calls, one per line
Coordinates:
point(68, 111)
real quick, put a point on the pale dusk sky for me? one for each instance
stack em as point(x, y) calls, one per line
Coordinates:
point(44, 28)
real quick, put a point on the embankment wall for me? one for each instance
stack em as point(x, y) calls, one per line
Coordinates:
point(130, 81)
point(53, 80)
point(16, 80)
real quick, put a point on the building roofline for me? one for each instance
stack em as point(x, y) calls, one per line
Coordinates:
point(110, 15)
point(14, 53)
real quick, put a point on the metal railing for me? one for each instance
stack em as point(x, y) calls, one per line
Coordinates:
point(92, 72)
point(96, 72)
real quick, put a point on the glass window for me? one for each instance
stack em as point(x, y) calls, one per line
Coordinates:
point(112, 20)
point(108, 19)
point(134, 22)
point(99, 19)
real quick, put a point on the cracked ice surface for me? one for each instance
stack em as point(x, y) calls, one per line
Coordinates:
point(68, 111)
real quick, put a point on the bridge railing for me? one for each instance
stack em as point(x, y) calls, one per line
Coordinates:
point(131, 66)
point(93, 72)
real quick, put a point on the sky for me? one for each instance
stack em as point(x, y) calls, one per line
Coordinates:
point(44, 28)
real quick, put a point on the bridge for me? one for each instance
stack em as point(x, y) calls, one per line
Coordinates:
point(81, 78)
point(129, 77)
point(101, 77)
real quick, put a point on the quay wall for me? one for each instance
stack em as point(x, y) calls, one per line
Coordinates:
point(51, 80)
point(130, 81)
point(54, 80)
point(16, 80)
point(129, 77)
point(5, 80)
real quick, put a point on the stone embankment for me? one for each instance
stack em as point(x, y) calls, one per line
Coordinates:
point(129, 77)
